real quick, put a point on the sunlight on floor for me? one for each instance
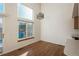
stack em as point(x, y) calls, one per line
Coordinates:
point(24, 54)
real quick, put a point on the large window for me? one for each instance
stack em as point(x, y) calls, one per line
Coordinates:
point(25, 19)
point(1, 25)
point(1, 18)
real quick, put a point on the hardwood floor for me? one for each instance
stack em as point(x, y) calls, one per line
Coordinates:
point(40, 48)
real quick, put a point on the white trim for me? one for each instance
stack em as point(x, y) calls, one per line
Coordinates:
point(26, 21)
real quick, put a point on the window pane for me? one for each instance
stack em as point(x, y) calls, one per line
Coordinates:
point(29, 29)
point(22, 30)
point(24, 12)
point(1, 7)
point(0, 29)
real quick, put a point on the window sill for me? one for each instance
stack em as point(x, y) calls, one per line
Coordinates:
point(26, 39)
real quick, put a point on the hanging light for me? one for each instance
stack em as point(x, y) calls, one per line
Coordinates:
point(40, 16)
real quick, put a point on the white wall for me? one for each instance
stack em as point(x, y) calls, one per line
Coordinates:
point(11, 27)
point(57, 26)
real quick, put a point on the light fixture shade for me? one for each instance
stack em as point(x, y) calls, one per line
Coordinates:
point(40, 16)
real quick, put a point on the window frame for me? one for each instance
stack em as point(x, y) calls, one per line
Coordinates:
point(27, 21)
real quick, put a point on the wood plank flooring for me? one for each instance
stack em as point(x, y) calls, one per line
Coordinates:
point(40, 48)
